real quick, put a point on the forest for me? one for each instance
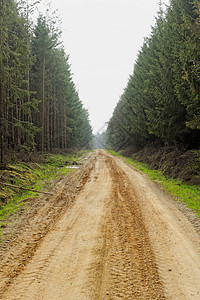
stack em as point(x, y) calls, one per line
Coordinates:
point(40, 108)
point(161, 102)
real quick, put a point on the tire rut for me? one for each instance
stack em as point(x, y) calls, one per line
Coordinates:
point(127, 266)
point(19, 249)
point(120, 239)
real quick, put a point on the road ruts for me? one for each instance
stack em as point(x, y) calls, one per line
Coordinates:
point(126, 265)
point(116, 236)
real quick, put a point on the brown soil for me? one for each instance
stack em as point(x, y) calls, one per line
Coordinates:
point(107, 233)
point(173, 162)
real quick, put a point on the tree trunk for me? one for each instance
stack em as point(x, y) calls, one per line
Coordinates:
point(43, 105)
point(47, 122)
point(54, 119)
point(1, 125)
point(19, 130)
point(28, 65)
point(1, 95)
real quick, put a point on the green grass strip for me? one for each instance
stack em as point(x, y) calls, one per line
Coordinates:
point(35, 176)
point(190, 195)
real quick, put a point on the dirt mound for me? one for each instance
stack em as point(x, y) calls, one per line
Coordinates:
point(173, 162)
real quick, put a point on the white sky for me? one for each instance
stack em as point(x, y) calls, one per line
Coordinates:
point(103, 38)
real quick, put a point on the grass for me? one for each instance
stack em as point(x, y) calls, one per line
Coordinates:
point(190, 195)
point(32, 175)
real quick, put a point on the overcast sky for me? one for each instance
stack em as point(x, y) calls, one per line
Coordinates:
point(103, 38)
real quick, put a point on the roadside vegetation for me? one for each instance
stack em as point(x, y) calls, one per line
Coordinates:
point(161, 101)
point(187, 194)
point(38, 175)
point(40, 107)
point(157, 119)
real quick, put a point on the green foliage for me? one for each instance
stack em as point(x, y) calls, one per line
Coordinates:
point(67, 124)
point(36, 176)
point(61, 160)
point(162, 97)
point(40, 108)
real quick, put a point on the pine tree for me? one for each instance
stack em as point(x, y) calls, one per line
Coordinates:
point(161, 99)
point(39, 104)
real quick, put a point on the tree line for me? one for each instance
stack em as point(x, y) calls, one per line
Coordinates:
point(161, 101)
point(40, 109)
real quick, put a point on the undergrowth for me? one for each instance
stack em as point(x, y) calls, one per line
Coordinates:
point(32, 175)
point(188, 194)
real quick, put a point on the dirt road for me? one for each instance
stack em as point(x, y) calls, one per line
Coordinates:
point(107, 233)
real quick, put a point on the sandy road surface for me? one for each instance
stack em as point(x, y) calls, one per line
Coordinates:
point(120, 238)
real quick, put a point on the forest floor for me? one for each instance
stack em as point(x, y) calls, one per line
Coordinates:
point(107, 232)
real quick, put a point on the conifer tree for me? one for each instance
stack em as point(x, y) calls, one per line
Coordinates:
point(39, 104)
point(162, 97)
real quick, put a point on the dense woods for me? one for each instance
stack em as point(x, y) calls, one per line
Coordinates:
point(40, 109)
point(161, 101)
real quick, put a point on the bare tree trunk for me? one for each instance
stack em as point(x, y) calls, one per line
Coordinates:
point(28, 66)
point(54, 120)
point(7, 139)
point(13, 129)
point(19, 130)
point(1, 96)
point(43, 105)
point(65, 132)
point(1, 126)
point(47, 121)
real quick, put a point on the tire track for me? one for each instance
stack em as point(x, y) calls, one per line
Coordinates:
point(20, 250)
point(127, 265)
point(121, 239)
point(59, 267)
point(174, 240)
